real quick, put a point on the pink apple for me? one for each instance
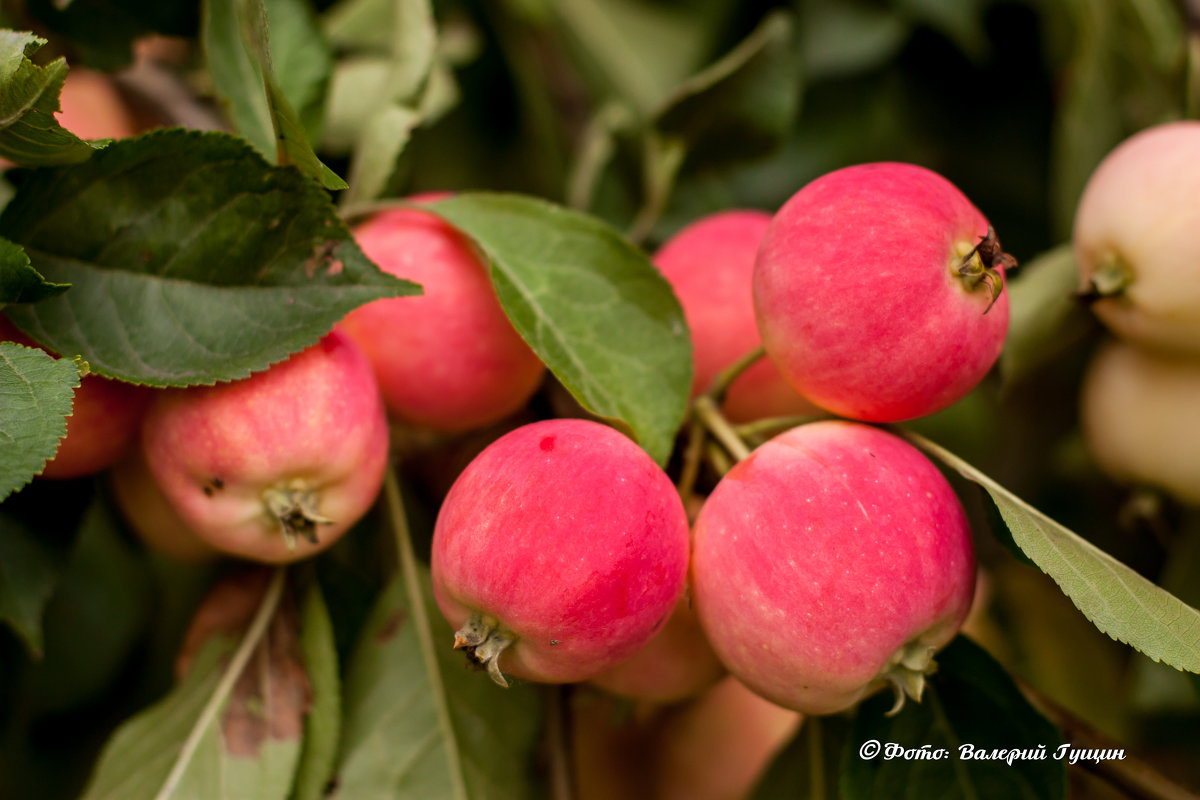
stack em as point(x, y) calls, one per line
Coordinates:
point(92, 108)
point(559, 552)
point(275, 467)
point(1135, 238)
point(104, 420)
point(1139, 417)
point(710, 264)
point(879, 292)
point(448, 360)
point(677, 663)
point(832, 561)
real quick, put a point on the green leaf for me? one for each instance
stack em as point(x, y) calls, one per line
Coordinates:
point(969, 703)
point(1117, 600)
point(419, 724)
point(847, 37)
point(36, 392)
point(29, 572)
point(96, 617)
point(302, 60)
point(744, 104)
point(379, 146)
point(30, 134)
point(810, 765)
point(240, 57)
point(1046, 319)
point(591, 305)
point(189, 746)
point(323, 723)
point(191, 259)
point(20, 282)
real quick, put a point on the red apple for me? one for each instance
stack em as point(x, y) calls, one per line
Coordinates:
point(448, 360)
point(104, 420)
point(275, 467)
point(1134, 238)
point(832, 561)
point(710, 264)
point(559, 551)
point(879, 292)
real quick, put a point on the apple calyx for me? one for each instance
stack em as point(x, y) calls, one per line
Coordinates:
point(483, 640)
point(1111, 277)
point(294, 507)
point(978, 268)
point(906, 670)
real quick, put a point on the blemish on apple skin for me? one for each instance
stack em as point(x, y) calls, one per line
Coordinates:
point(547, 443)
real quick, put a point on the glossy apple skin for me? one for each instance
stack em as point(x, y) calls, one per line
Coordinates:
point(314, 421)
point(572, 538)
point(710, 265)
point(448, 360)
point(857, 298)
point(1139, 206)
point(1138, 417)
point(824, 553)
point(676, 664)
point(105, 415)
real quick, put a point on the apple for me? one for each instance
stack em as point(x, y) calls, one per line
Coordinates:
point(831, 562)
point(710, 265)
point(879, 292)
point(105, 415)
point(1138, 416)
point(448, 360)
point(559, 551)
point(274, 467)
point(92, 108)
point(1134, 238)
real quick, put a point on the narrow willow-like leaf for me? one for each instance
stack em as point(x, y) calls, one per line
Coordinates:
point(20, 282)
point(1116, 599)
point(29, 571)
point(386, 135)
point(36, 392)
point(191, 260)
point(323, 724)
point(29, 132)
point(744, 104)
point(591, 305)
point(971, 703)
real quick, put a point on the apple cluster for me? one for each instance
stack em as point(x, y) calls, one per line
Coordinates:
point(1134, 248)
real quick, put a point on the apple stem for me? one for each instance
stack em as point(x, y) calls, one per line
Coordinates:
point(484, 642)
point(295, 509)
point(705, 407)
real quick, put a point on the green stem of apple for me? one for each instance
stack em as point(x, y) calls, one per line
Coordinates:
point(705, 407)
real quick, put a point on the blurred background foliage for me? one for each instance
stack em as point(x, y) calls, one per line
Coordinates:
point(649, 114)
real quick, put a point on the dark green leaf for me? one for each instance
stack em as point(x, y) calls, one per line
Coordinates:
point(970, 703)
point(445, 732)
point(1117, 600)
point(19, 282)
point(28, 99)
point(323, 723)
point(29, 571)
point(1046, 317)
point(236, 75)
point(36, 391)
point(302, 61)
point(743, 105)
point(591, 305)
point(191, 259)
point(95, 618)
point(959, 20)
point(810, 766)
